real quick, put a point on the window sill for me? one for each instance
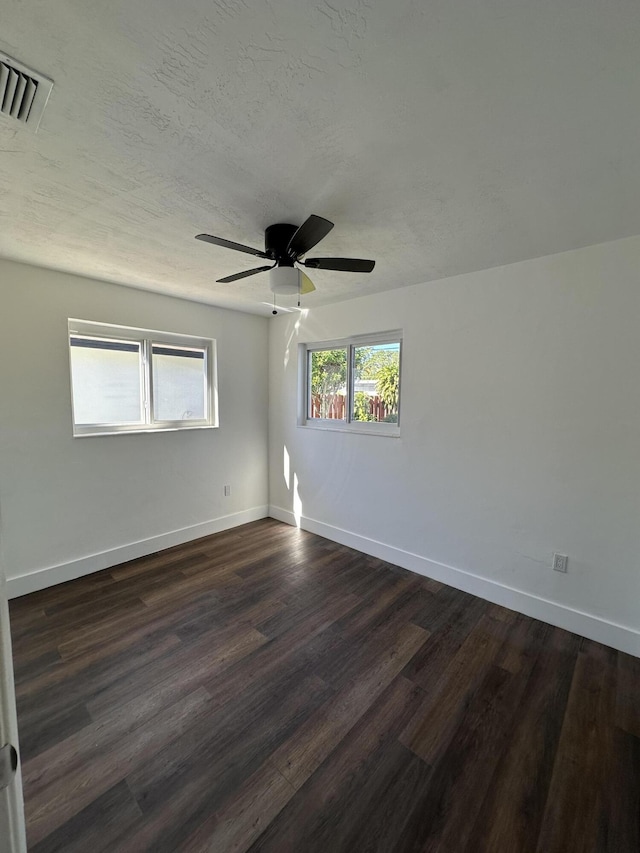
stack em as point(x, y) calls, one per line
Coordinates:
point(386, 430)
point(145, 429)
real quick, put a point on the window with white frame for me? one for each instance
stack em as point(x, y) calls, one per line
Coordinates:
point(137, 380)
point(352, 383)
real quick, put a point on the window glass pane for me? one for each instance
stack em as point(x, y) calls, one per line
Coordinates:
point(376, 383)
point(106, 381)
point(179, 383)
point(328, 383)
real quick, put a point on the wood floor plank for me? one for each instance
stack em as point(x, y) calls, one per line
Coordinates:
point(298, 639)
point(325, 810)
point(245, 608)
point(400, 601)
point(189, 780)
point(449, 626)
point(91, 672)
point(628, 694)
point(240, 735)
point(184, 588)
point(575, 802)
point(54, 792)
point(29, 607)
point(472, 755)
point(619, 824)
point(57, 708)
point(388, 805)
point(235, 826)
point(446, 699)
point(32, 669)
point(270, 690)
point(364, 640)
point(96, 827)
point(130, 629)
point(49, 726)
point(512, 810)
point(176, 559)
point(51, 632)
point(303, 753)
point(184, 667)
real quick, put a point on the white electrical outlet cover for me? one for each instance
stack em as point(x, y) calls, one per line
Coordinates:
point(560, 562)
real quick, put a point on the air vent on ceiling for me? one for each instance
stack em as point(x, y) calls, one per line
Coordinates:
point(23, 92)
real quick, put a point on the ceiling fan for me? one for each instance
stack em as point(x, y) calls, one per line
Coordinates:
point(285, 245)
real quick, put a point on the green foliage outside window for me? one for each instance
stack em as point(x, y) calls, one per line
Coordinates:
point(379, 363)
point(388, 386)
point(361, 407)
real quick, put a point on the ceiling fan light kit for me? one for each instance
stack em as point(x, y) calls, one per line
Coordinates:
point(285, 244)
point(284, 280)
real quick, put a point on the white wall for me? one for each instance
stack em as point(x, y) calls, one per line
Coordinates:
point(77, 505)
point(520, 436)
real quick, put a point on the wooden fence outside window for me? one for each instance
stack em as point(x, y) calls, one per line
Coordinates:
point(332, 406)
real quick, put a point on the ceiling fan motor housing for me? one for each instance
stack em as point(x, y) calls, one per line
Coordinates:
point(276, 240)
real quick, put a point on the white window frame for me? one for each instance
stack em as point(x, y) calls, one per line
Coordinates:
point(147, 339)
point(347, 425)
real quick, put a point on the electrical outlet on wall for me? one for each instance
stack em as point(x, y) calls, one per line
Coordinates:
point(560, 562)
point(227, 491)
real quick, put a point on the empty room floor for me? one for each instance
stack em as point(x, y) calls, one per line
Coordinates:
point(265, 689)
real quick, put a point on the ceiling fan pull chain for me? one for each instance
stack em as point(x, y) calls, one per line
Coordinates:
point(274, 304)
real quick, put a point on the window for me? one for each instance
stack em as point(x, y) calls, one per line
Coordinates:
point(352, 384)
point(135, 380)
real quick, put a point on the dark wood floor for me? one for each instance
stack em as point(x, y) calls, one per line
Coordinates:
point(268, 690)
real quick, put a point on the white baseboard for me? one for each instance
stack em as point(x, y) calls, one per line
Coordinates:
point(616, 636)
point(42, 578)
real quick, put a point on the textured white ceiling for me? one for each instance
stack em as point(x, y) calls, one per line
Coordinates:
point(441, 137)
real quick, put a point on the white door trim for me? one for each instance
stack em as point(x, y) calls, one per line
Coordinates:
point(12, 827)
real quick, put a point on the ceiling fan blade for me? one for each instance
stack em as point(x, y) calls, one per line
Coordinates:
point(306, 285)
point(228, 244)
point(340, 264)
point(308, 234)
point(244, 274)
